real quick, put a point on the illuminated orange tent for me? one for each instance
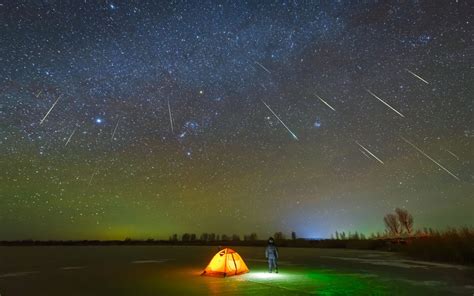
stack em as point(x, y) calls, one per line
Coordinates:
point(226, 262)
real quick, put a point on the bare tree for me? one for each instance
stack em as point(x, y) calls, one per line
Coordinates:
point(342, 235)
point(354, 236)
point(392, 224)
point(186, 237)
point(405, 219)
point(253, 236)
point(278, 236)
point(204, 237)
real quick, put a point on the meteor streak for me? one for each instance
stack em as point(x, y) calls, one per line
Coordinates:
point(365, 154)
point(429, 157)
point(47, 113)
point(113, 133)
point(417, 76)
point(326, 103)
point(263, 67)
point(367, 150)
point(281, 121)
point(452, 153)
point(171, 117)
point(386, 104)
point(69, 139)
point(92, 176)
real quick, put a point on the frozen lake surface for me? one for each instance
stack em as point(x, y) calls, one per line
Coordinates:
point(165, 270)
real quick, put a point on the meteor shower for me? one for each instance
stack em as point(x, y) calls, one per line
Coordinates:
point(236, 147)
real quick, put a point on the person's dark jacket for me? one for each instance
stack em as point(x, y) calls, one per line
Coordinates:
point(271, 252)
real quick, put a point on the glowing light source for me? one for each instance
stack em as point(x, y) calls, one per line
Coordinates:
point(265, 275)
point(226, 262)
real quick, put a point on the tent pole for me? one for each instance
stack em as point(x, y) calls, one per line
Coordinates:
point(235, 264)
point(225, 264)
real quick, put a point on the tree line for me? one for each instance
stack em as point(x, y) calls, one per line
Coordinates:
point(398, 224)
point(213, 237)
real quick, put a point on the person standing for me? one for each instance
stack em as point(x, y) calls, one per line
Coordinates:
point(271, 253)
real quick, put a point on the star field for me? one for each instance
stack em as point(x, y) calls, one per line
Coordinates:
point(144, 118)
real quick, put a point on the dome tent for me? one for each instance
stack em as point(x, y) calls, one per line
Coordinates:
point(226, 262)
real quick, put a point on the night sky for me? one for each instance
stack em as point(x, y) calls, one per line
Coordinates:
point(145, 118)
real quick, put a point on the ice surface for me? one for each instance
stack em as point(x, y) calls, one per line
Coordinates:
point(160, 270)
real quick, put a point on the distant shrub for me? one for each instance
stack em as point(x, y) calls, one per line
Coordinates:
point(452, 245)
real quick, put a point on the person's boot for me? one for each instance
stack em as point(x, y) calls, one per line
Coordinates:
point(276, 270)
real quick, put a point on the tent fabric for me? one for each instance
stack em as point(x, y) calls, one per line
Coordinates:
point(226, 262)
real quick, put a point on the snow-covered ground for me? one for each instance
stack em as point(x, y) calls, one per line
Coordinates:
point(160, 270)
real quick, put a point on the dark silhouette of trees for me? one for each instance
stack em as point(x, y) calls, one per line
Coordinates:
point(208, 237)
point(405, 219)
point(342, 235)
point(293, 235)
point(235, 237)
point(278, 236)
point(250, 237)
point(392, 224)
point(354, 235)
point(204, 237)
point(349, 236)
point(399, 222)
point(186, 237)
